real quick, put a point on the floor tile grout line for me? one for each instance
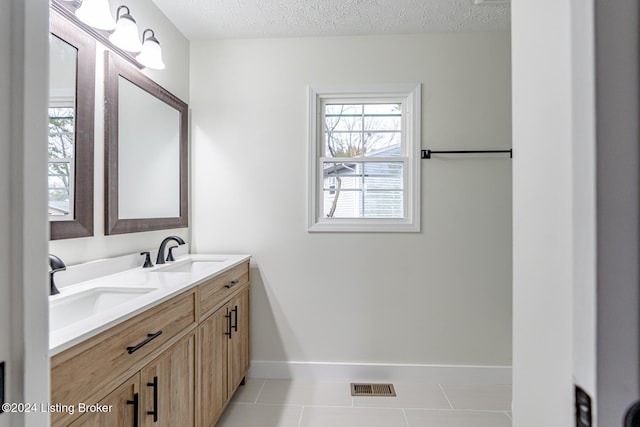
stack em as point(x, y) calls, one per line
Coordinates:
point(487, 411)
point(445, 395)
point(406, 420)
point(284, 405)
point(264, 381)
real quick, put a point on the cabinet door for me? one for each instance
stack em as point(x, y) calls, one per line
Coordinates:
point(120, 408)
point(214, 345)
point(239, 350)
point(167, 387)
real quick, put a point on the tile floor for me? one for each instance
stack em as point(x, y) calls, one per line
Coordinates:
point(285, 403)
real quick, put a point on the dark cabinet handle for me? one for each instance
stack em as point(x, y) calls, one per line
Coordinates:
point(235, 311)
point(231, 284)
point(228, 316)
point(149, 338)
point(135, 403)
point(154, 384)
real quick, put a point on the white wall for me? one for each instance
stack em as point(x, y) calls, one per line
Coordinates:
point(5, 192)
point(553, 209)
point(174, 78)
point(23, 292)
point(442, 296)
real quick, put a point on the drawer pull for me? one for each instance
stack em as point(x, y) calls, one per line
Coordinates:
point(228, 316)
point(135, 403)
point(150, 337)
point(154, 384)
point(235, 311)
point(231, 284)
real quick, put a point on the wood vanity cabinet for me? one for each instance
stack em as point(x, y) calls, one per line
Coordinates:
point(214, 347)
point(120, 415)
point(167, 396)
point(176, 364)
point(239, 342)
point(161, 394)
point(224, 347)
point(96, 367)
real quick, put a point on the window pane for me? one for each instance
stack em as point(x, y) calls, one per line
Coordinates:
point(383, 176)
point(343, 144)
point(340, 109)
point(59, 174)
point(342, 204)
point(383, 144)
point(384, 204)
point(61, 132)
point(59, 201)
point(343, 123)
point(355, 130)
point(60, 182)
point(382, 108)
point(342, 176)
point(375, 123)
point(363, 190)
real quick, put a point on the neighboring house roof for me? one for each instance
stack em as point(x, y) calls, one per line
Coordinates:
point(348, 167)
point(59, 207)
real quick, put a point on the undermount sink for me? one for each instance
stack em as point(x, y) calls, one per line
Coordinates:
point(191, 266)
point(66, 310)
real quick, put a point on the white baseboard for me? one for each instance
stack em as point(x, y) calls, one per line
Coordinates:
point(445, 374)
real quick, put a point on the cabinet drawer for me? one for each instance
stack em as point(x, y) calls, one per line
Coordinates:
point(96, 365)
point(214, 292)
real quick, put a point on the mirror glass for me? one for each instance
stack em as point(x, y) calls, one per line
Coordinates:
point(62, 106)
point(146, 154)
point(70, 144)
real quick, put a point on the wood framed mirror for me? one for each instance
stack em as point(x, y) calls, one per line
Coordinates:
point(71, 130)
point(146, 152)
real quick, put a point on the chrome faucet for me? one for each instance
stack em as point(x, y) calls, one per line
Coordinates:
point(178, 240)
point(56, 265)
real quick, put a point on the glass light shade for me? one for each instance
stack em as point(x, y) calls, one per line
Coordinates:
point(97, 14)
point(126, 34)
point(151, 55)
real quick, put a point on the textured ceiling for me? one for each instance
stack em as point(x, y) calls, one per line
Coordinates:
point(215, 19)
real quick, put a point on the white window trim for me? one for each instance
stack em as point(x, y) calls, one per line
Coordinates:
point(412, 119)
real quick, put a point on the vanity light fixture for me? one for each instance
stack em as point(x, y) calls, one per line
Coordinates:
point(151, 55)
point(126, 34)
point(97, 14)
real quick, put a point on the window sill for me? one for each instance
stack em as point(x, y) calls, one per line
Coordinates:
point(364, 226)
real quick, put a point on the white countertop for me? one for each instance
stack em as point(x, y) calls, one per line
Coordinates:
point(156, 284)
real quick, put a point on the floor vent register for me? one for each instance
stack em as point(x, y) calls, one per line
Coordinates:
point(368, 389)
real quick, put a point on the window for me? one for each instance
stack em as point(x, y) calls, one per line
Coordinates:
point(364, 159)
point(61, 150)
